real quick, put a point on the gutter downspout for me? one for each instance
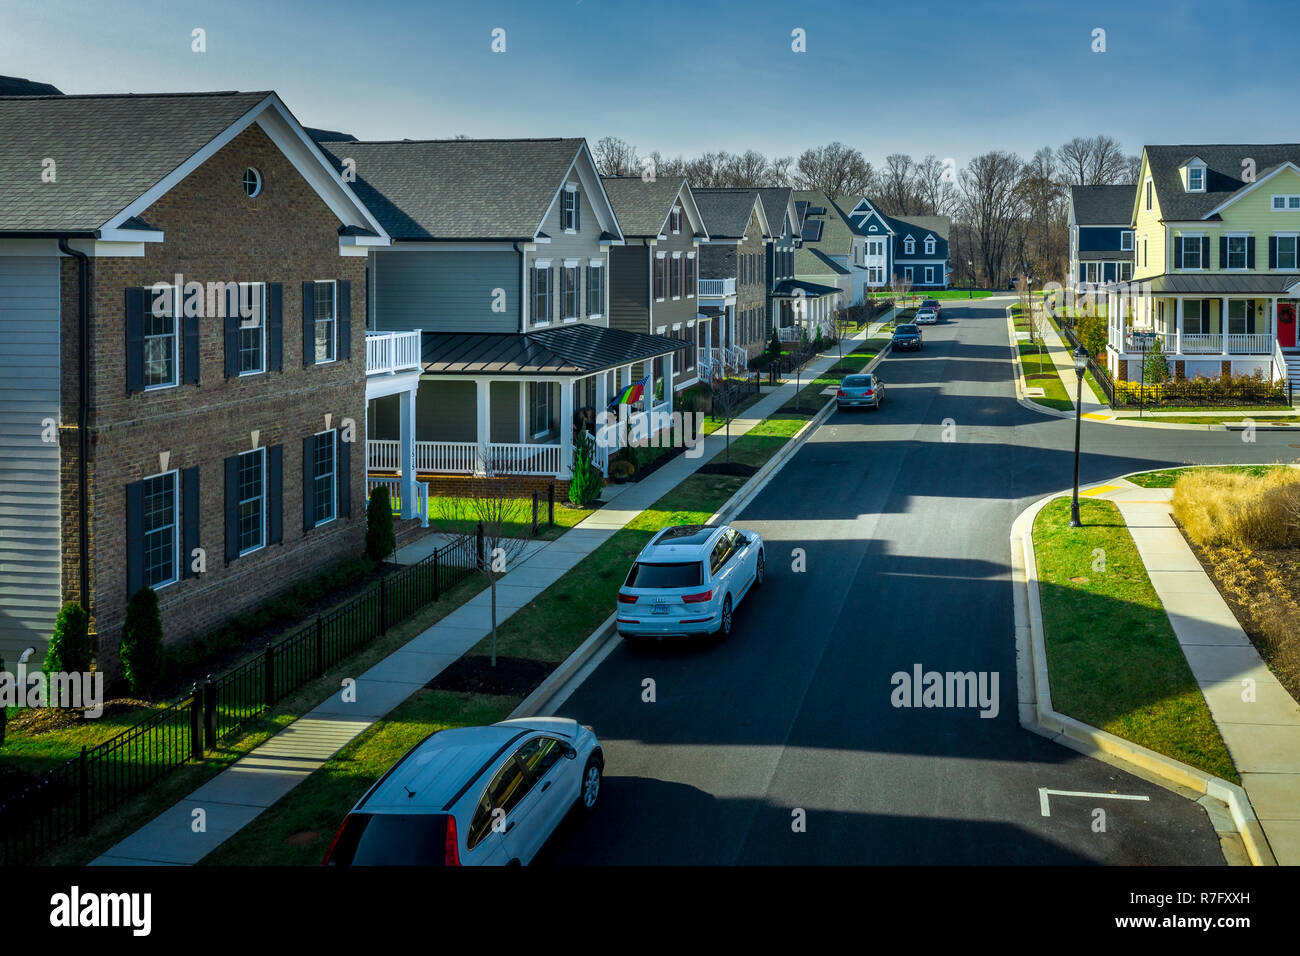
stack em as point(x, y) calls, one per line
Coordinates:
point(523, 290)
point(83, 414)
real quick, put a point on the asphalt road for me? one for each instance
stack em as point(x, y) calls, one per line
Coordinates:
point(790, 721)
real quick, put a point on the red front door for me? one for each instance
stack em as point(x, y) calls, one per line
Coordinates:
point(1286, 325)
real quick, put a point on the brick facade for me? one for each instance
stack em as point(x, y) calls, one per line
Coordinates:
point(214, 233)
point(719, 260)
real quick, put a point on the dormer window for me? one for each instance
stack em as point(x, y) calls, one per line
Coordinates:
point(569, 209)
point(929, 245)
point(909, 245)
point(1194, 176)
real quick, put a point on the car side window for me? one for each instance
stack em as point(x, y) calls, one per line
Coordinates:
point(508, 786)
point(719, 556)
point(481, 825)
point(539, 755)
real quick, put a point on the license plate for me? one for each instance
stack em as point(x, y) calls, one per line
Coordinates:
point(661, 608)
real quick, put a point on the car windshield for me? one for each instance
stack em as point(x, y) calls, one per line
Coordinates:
point(857, 381)
point(682, 574)
point(392, 839)
point(929, 304)
point(906, 328)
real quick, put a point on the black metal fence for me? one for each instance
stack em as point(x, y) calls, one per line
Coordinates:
point(1202, 393)
point(67, 800)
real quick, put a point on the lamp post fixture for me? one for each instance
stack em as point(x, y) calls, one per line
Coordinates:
point(970, 278)
point(1080, 366)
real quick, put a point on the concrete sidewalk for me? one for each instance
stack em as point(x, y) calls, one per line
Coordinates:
point(1063, 359)
point(1262, 735)
point(236, 796)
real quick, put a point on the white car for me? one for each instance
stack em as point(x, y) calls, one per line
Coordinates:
point(926, 317)
point(474, 796)
point(689, 580)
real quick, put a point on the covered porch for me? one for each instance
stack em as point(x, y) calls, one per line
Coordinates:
point(504, 404)
point(805, 308)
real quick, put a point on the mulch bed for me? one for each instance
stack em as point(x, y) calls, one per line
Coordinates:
point(733, 468)
point(514, 676)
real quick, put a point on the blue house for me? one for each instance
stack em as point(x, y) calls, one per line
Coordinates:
point(914, 248)
point(1101, 237)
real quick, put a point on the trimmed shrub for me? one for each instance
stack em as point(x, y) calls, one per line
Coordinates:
point(69, 648)
point(141, 650)
point(1217, 507)
point(1092, 333)
point(587, 481)
point(380, 541)
point(1156, 367)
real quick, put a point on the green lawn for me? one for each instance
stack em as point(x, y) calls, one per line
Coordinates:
point(440, 508)
point(1221, 419)
point(1112, 656)
point(941, 294)
point(297, 830)
point(1166, 478)
point(1041, 373)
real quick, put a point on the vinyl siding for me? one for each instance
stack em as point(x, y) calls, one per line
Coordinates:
point(1148, 224)
point(445, 291)
point(629, 288)
point(1251, 214)
point(30, 545)
point(504, 411)
point(446, 411)
point(583, 245)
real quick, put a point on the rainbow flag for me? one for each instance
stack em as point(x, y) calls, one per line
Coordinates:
point(631, 394)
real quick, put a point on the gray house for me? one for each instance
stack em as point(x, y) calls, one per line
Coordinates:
point(499, 275)
point(733, 283)
point(654, 277)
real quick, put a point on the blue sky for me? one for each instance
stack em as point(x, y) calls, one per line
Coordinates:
point(953, 79)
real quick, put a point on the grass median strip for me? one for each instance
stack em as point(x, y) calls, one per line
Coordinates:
point(1040, 372)
point(1168, 477)
point(1112, 656)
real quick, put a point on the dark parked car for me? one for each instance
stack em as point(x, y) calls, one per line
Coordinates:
point(907, 336)
point(932, 304)
point(860, 391)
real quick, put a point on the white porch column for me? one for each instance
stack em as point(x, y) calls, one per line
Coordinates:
point(483, 423)
point(605, 432)
point(407, 400)
point(1223, 324)
point(566, 428)
point(1178, 324)
point(1271, 316)
point(523, 411)
point(668, 382)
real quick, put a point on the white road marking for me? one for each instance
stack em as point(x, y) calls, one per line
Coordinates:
point(1046, 811)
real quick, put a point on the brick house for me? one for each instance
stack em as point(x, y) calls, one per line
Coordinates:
point(200, 442)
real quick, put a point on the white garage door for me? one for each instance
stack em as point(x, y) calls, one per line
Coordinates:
point(29, 465)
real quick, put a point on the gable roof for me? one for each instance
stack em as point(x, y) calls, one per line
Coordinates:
point(643, 207)
point(481, 189)
point(108, 150)
point(726, 211)
point(836, 235)
point(918, 225)
point(1222, 175)
point(776, 206)
point(1102, 205)
point(17, 86)
point(809, 260)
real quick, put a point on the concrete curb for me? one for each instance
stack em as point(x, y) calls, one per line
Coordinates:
point(1020, 376)
point(607, 632)
point(1038, 715)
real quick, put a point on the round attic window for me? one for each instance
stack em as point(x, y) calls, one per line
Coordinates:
point(252, 182)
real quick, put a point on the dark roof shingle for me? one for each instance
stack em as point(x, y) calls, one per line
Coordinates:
point(1102, 205)
point(1222, 174)
point(642, 207)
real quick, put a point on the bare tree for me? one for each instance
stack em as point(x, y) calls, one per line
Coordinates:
point(616, 157)
point(896, 185)
point(936, 188)
point(1094, 161)
point(835, 169)
point(495, 502)
point(992, 206)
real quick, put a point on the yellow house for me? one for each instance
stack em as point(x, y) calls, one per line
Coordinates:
point(1216, 264)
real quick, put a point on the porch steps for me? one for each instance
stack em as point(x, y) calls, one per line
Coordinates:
point(1293, 368)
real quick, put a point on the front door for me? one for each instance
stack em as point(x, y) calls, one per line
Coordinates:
point(1286, 325)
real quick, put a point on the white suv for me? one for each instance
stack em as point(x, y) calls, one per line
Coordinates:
point(689, 580)
point(474, 796)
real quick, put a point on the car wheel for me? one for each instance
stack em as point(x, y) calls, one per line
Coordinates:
point(725, 627)
point(592, 777)
point(759, 571)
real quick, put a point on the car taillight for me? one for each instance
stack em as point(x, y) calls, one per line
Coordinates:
point(698, 598)
point(452, 851)
point(335, 842)
point(840, 393)
point(626, 598)
point(869, 392)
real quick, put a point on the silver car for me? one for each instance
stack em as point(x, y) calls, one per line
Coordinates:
point(926, 316)
point(689, 580)
point(860, 391)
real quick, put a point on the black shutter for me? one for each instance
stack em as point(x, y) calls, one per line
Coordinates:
point(275, 494)
point(190, 350)
point(343, 473)
point(345, 319)
point(232, 508)
point(232, 345)
point(1223, 253)
point(1272, 252)
point(308, 485)
point(189, 519)
point(134, 340)
point(308, 324)
point(1178, 252)
point(134, 537)
point(577, 211)
point(275, 326)
point(1250, 252)
point(1205, 252)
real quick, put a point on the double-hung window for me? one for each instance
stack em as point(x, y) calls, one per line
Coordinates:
point(1285, 203)
point(1126, 240)
point(595, 290)
point(569, 210)
point(1236, 252)
point(690, 276)
point(1237, 316)
point(161, 336)
point(1193, 320)
point(326, 327)
point(1125, 271)
point(252, 500)
point(539, 409)
point(1192, 252)
point(1195, 179)
point(569, 291)
point(161, 531)
point(677, 277)
point(660, 278)
point(252, 326)
point(1286, 253)
point(541, 309)
point(324, 473)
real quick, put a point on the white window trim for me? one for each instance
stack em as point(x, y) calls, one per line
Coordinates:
point(261, 314)
point(907, 274)
point(909, 246)
point(1196, 168)
point(577, 286)
point(1286, 202)
point(930, 247)
point(541, 265)
point(1198, 236)
point(570, 189)
point(1245, 252)
point(1126, 235)
point(334, 478)
point(929, 275)
point(675, 219)
point(262, 497)
point(538, 386)
point(1287, 235)
point(334, 320)
point(596, 264)
point(175, 336)
point(175, 476)
point(659, 298)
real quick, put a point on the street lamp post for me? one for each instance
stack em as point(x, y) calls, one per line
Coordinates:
point(1080, 366)
point(970, 278)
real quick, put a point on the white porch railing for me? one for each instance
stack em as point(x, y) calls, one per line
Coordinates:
point(394, 486)
point(718, 287)
point(383, 455)
point(789, 333)
point(462, 457)
point(1201, 343)
point(389, 352)
point(738, 359)
point(1250, 343)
